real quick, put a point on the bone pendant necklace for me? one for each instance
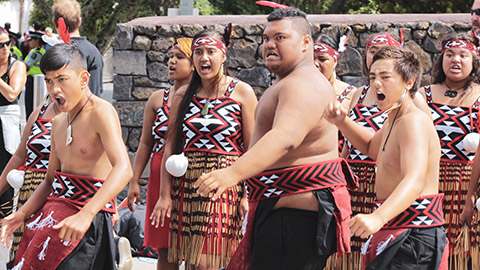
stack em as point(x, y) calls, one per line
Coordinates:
point(69, 126)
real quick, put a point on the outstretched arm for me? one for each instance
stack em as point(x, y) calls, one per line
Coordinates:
point(362, 138)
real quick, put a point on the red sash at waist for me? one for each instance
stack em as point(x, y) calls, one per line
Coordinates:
point(424, 212)
point(333, 174)
point(302, 178)
point(79, 190)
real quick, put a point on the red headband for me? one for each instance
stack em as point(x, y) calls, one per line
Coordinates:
point(324, 48)
point(460, 43)
point(382, 39)
point(209, 41)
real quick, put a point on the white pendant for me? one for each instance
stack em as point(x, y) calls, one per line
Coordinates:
point(15, 178)
point(176, 165)
point(470, 142)
point(477, 204)
point(69, 135)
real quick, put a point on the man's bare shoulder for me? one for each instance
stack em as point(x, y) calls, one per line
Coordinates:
point(102, 110)
point(416, 122)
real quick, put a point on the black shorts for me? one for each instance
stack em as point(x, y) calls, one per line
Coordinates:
point(418, 248)
point(288, 238)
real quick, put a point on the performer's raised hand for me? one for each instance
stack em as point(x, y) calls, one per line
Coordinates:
point(363, 225)
point(163, 208)
point(9, 225)
point(133, 195)
point(335, 112)
point(74, 227)
point(219, 180)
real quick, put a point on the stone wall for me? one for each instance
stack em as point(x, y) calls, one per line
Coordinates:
point(141, 47)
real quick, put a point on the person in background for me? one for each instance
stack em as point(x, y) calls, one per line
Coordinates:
point(327, 51)
point(454, 102)
point(475, 13)
point(211, 123)
point(13, 77)
point(405, 231)
point(32, 60)
point(67, 20)
point(155, 121)
point(32, 157)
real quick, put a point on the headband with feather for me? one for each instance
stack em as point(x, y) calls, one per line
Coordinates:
point(272, 4)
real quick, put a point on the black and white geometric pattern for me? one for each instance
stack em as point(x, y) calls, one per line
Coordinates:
point(38, 143)
point(453, 123)
point(220, 130)
point(159, 127)
point(78, 189)
point(367, 116)
point(426, 211)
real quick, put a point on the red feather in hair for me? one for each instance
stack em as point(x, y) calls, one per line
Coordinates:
point(63, 30)
point(272, 4)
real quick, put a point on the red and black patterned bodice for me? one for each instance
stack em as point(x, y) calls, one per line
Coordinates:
point(220, 130)
point(370, 117)
point(453, 123)
point(38, 143)
point(159, 128)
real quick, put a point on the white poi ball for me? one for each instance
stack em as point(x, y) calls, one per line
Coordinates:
point(477, 204)
point(470, 142)
point(176, 165)
point(15, 178)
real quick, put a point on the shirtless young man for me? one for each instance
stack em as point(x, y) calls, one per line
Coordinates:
point(293, 152)
point(409, 218)
point(89, 166)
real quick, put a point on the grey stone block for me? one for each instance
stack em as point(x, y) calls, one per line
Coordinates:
point(143, 93)
point(123, 37)
point(142, 43)
point(169, 30)
point(163, 44)
point(256, 76)
point(129, 62)
point(122, 87)
point(157, 71)
point(130, 112)
point(148, 30)
point(241, 53)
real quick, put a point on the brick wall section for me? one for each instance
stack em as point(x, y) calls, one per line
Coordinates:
point(141, 47)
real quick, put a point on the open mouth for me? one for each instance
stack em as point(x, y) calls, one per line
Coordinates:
point(206, 68)
point(171, 68)
point(271, 54)
point(60, 101)
point(380, 96)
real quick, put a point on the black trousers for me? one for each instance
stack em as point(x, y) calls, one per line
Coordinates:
point(288, 238)
point(419, 249)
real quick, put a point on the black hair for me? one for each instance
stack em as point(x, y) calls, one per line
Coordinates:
point(322, 38)
point(438, 75)
point(292, 13)
point(406, 63)
point(62, 55)
point(195, 83)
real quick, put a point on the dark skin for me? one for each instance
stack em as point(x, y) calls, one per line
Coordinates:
point(289, 124)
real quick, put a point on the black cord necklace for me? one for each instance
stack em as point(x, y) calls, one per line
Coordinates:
point(451, 93)
point(69, 127)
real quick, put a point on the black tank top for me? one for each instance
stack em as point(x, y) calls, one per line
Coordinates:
point(6, 79)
